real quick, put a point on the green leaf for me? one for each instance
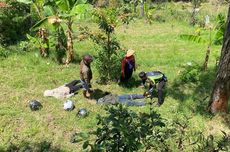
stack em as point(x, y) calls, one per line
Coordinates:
point(85, 145)
point(48, 11)
point(80, 2)
point(80, 9)
point(63, 4)
point(41, 23)
point(192, 38)
point(83, 135)
point(25, 1)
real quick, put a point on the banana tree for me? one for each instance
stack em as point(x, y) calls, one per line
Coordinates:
point(199, 38)
point(67, 9)
point(37, 7)
point(59, 12)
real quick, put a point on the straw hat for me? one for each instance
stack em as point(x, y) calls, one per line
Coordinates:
point(130, 52)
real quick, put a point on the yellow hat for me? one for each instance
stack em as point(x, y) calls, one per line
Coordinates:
point(130, 52)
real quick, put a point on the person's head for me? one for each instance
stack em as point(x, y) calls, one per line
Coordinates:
point(88, 58)
point(129, 53)
point(142, 75)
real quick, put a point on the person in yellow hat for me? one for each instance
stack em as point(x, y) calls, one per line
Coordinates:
point(128, 65)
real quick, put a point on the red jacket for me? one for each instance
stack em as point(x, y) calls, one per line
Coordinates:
point(125, 61)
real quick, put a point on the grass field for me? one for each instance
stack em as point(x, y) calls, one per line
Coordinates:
point(25, 76)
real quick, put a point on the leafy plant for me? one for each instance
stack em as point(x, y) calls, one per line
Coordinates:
point(56, 13)
point(198, 37)
point(191, 73)
point(220, 27)
point(15, 22)
point(125, 130)
point(210, 144)
point(4, 53)
point(109, 53)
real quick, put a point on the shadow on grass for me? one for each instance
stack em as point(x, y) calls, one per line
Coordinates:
point(31, 147)
point(227, 120)
point(99, 94)
point(197, 89)
point(131, 83)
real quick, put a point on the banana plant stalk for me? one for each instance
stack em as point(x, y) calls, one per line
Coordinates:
point(69, 32)
point(44, 47)
point(205, 65)
point(142, 14)
point(37, 5)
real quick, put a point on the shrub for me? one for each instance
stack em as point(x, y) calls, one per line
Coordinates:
point(191, 72)
point(15, 22)
point(109, 53)
point(220, 27)
point(4, 53)
point(125, 130)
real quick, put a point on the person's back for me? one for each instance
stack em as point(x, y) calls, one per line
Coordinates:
point(85, 71)
point(156, 80)
point(128, 65)
point(155, 76)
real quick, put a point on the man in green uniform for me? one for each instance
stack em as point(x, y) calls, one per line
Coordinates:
point(156, 80)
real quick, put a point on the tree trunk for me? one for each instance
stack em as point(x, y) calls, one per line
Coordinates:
point(135, 6)
point(70, 53)
point(142, 8)
point(221, 91)
point(44, 48)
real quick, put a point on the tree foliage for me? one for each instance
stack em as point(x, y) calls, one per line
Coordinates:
point(15, 22)
point(109, 52)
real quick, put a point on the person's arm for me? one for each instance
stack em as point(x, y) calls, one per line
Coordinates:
point(134, 63)
point(148, 93)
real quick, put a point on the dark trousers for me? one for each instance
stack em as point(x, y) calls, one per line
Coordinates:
point(74, 86)
point(128, 75)
point(160, 94)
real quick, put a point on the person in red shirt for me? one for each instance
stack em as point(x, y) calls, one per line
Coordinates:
point(128, 65)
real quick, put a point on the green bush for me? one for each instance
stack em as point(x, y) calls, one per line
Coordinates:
point(125, 130)
point(220, 27)
point(109, 52)
point(191, 73)
point(15, 22)
point(4, 53)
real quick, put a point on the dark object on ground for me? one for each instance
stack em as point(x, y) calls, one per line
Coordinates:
point(73, 137)
point(35, 105)
point(69, 105)
point(82, 112)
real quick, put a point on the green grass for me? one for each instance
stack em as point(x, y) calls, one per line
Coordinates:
point(24, 77)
